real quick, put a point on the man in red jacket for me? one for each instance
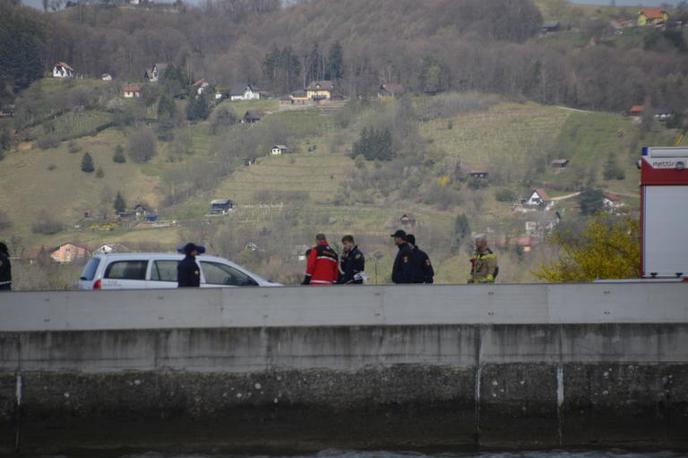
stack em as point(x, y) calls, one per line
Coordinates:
point(323, 264)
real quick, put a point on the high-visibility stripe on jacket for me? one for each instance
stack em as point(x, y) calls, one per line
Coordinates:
point(484, 267)
point(323, 265)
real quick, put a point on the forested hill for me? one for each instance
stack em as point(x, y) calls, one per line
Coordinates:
point(429, 46)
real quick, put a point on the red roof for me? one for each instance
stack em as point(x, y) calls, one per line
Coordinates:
point(543, 194)
point(636, 109)
point(612, 197)
point(653, 13)
point(132, 88)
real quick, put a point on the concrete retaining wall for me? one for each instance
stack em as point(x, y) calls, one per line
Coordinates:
point(374, 367)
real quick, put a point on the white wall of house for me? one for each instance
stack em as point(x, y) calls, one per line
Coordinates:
point(247, 95)
point(62, 72)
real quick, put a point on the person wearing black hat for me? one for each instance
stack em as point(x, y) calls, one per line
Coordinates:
point(402, 272)
point(188, 272)
point(5, 268)
point(422, 267)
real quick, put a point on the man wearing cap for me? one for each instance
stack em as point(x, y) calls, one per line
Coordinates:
point(323, 264)
point(5, 268)
point(188, 272)
point(422, 267)
point(402, 271)
point(484, 267)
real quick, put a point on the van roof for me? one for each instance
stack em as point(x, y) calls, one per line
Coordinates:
point(142, 256)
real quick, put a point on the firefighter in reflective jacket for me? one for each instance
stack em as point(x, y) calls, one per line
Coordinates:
point(484, 267)
point(323, 264)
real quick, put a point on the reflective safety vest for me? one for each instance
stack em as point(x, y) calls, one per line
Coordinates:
point(484, 267)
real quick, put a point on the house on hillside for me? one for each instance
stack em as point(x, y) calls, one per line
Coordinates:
point(550, 26)
point(251, 117)
point(62, 70)
point(156, 72)
point(69, 252)
point(611, 202)
point(636, 110)
point(221, 206)
point(652, 16)
point(244, 92)
point(131, 91)
point(279, 150)
point(663, 114)
point(200, 86)
point(559, 163)
point(391, 90)
point(478, 174)
point(540, 199)
point(320, 90)
point(106, 77)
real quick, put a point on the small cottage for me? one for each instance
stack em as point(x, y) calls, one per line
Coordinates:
point(62, 70)
point(539, 198)
point(559, 163)
point(279, 150)
point(320, 90)
point(69, 252)
point(200, 86)
point(391, 90)
point(652, 16)
point(636, 110)
point(106, 77)
point(131, 91)
point(611, 202)
point(244, 92)
point(251, 117)
point(156, 72)
point(221, 206)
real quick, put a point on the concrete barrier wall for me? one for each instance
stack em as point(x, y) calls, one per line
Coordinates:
point(356, 306)
point(300, 369)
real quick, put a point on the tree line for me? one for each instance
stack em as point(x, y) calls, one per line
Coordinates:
point(429, 47)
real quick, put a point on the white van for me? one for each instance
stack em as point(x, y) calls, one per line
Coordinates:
point(159, 271)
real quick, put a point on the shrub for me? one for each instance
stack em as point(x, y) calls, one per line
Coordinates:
point(46, 224)
point(99, 172)
point(224, 116)
point(48, 141)
point(51, 167)
point(119, 157)
point(142, 145)
point(87, 163)
point(72, 147)
point(120, 204)
point(505, 195)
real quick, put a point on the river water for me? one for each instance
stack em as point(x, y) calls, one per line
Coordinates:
point(384, 454)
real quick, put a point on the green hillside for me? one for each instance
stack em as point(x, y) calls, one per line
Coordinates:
point(318, 186)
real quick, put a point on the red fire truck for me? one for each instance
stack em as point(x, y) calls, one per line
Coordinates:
point(664, 212)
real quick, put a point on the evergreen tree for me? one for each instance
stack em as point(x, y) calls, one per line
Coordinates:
point(198, 108)
point(120, 205)
point(462, 229)
point(87, 163)
point(590, 201)
point(335, 63)
point(119, 155)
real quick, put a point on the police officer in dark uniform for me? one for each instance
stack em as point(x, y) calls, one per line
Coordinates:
point(422, 267)
point(188, 271)
point(402, 272)
point(5, 268)
point(352, 263)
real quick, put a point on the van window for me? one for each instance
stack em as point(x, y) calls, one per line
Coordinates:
point(127, 270)
point(221, 274)
point(90, 269)
point(164, 271)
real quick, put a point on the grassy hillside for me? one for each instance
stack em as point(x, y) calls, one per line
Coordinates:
point(283, 200)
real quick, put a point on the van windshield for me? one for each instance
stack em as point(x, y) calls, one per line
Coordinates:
point(90, 269)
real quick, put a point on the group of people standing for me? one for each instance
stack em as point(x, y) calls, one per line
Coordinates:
point(411, 265)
